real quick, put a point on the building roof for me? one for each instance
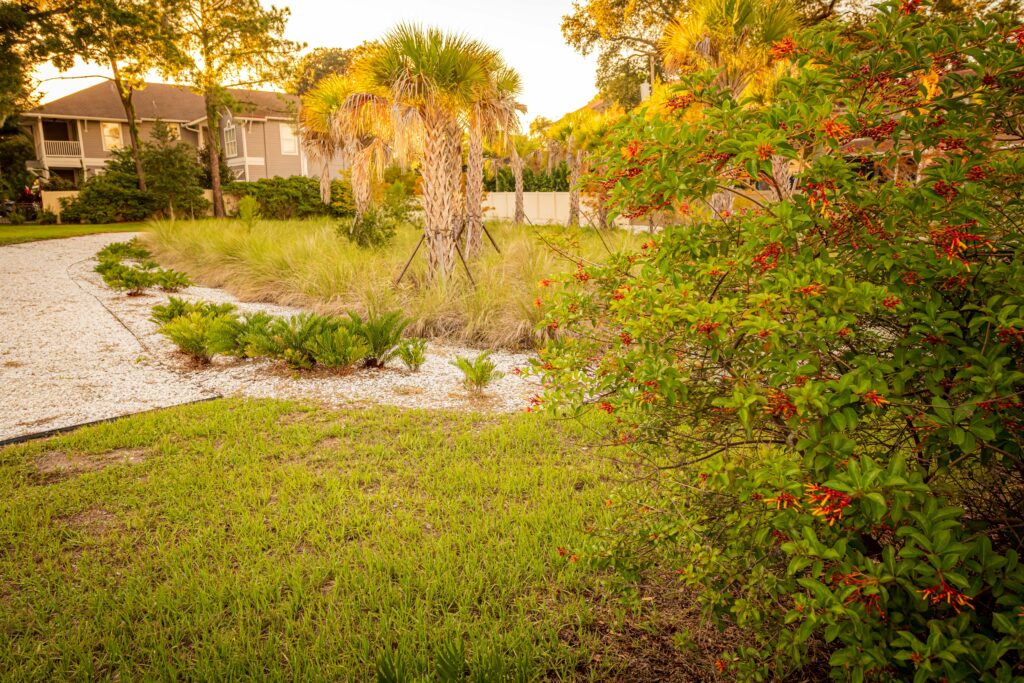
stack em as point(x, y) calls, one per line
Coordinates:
point(163, 101)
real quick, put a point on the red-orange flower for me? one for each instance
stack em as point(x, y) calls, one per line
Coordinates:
point(783, 501)
point(783, 48)
point(836, 130)
point(875, 399)
point(891, 302)
point(944, 593)
point(828, 503)
point(765, 152)
point(780, 405)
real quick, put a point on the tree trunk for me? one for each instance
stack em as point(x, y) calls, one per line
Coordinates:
point(325, 183)
point(574, 189)
point(213, 121)
point(517, 173)
point(125, 93)
point(440, 148)
point(475, 192)
point(362, 188)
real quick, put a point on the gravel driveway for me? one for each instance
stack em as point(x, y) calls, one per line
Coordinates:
point(73, 351)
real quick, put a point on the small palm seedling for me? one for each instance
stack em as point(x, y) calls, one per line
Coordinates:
point(413, 353)
point(478, 373)
point(382, 334)
point(171, 280)
point(338, 349)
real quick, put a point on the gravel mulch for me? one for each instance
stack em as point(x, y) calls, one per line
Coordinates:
point(73, 351)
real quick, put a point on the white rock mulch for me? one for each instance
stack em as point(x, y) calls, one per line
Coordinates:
point(73, 351)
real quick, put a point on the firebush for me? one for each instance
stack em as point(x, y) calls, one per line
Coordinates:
point(822, 357)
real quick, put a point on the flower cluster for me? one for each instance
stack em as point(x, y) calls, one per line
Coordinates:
point(827, 503)
point(768, 258)
point(944, 593)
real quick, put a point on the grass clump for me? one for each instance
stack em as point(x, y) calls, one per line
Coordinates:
point(413, 353)
point(479, 373)
point(268, 540)
point(305, 263)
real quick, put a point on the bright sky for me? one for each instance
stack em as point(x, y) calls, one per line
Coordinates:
point(556, 79)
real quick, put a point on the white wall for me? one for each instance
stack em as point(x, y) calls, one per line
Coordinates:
point(541, 208)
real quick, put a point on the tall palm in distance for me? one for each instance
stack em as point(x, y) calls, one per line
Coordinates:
point(520, 148)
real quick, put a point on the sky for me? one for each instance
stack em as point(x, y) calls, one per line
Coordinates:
point(556, 79)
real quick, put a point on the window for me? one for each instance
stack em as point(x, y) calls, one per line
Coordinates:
point(111, 133)
point(289, 139)
point(230, 142)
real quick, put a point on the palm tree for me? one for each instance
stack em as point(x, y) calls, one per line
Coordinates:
point(494, 113)
point(521, 147)
point(733, 37)
point(427, 79)
point(570, 133)
point(335, 127)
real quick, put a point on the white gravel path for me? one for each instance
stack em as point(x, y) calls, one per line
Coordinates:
point(73, 351)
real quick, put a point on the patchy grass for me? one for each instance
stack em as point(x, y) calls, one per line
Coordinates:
point(307, 264)
point(15, 234)
point(268, 540)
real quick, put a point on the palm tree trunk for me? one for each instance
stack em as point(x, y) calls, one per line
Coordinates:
point(213, 122)
point(440, 147)
point(125, 93)
point(574, 189)
point(475, 191)
point(325, 183)
point(362, 189)
point(517, 173)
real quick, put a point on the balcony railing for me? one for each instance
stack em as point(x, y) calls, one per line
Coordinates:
point(62, 148)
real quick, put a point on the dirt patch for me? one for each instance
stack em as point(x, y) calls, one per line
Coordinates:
point(57, 465)
point(669, 639)
point(13, 364)
point(93, 521)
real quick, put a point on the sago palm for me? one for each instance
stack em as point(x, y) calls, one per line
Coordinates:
point(493, 113)
point(428, 79)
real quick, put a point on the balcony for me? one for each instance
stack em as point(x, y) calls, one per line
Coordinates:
point(62, 148)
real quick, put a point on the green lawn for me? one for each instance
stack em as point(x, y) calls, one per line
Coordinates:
point(270, 540)
point(13, 234)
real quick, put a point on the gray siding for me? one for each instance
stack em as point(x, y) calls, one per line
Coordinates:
point(279, 164)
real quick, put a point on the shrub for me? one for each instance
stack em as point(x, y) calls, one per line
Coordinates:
point(826, 371)
point(111, 197)
point(293, 339)
point(176, 308)
point(171, 280)
point(120, 251)
point(133, 281)
point(173, 179)
point(339, 348)
point(533, 181)
point(248, 211)
point(477, 374)
point(382, 334)
point(190, 333)
point(413, 352)
point(16, 217)
point(283, 198)
point(379, 225)
point(46, 217)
